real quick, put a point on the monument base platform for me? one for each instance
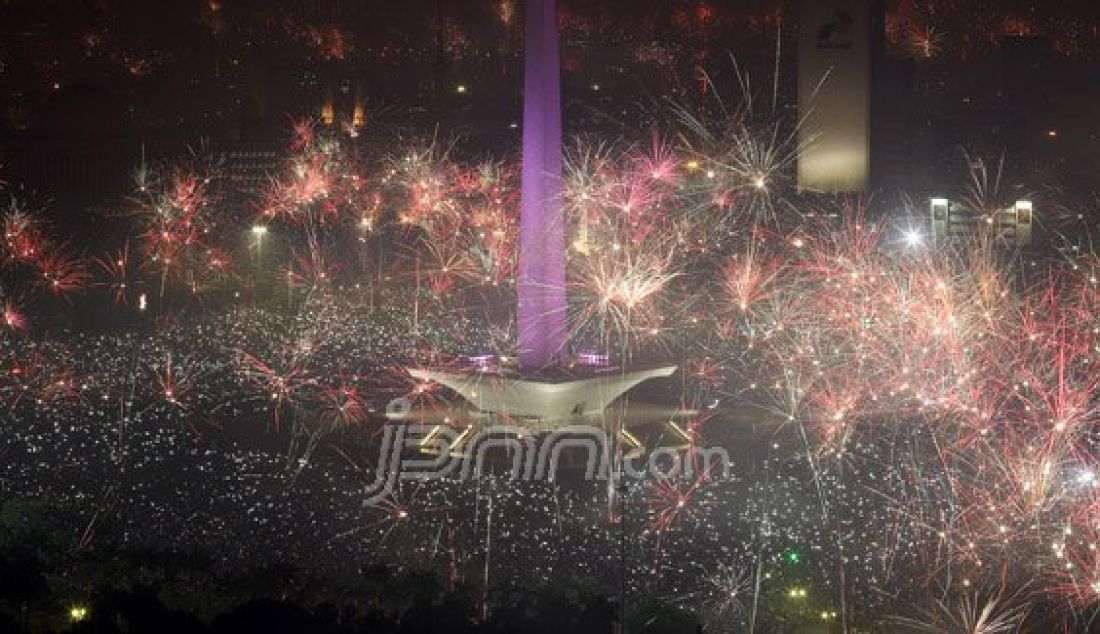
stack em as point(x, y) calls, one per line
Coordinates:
point(541, 403)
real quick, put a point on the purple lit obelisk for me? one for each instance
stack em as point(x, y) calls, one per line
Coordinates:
point(541, 274)
point(542, 403)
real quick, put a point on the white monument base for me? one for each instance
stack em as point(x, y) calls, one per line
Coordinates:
point(540, 405)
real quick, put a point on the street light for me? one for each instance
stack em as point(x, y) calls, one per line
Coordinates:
point(258, 232)
point(912, 238)
point(78, 613)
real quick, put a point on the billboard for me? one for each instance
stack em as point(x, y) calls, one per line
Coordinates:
point(834, 95)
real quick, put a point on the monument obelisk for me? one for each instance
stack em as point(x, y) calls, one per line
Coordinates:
point(542, 401)
point(540, 283)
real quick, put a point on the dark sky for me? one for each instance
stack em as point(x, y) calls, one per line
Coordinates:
point(189, 61)
point(80, 78)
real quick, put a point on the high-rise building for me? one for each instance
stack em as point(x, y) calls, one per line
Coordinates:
point(834, 95)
